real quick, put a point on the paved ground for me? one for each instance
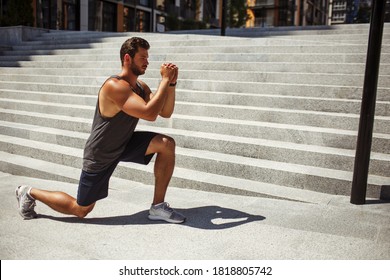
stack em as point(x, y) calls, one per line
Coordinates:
point(219, 227)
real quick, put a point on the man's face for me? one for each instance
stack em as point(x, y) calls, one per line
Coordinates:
point(140, 62)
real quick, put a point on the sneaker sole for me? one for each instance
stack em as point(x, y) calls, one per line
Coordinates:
point(17, 195)
point(28, 218)
point(159, 218)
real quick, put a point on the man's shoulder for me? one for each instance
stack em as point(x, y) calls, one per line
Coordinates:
point(114, 91)
point(114, 85)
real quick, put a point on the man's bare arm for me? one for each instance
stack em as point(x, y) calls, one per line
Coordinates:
point(169, 105)
point(134, 105)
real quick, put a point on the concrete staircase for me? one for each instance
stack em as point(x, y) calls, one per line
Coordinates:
point(273, 116)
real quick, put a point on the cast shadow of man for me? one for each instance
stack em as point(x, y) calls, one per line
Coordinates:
point(206, 217)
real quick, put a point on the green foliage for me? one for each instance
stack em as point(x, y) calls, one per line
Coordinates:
point(237, 13)
point(172, 22)
point(236, 17)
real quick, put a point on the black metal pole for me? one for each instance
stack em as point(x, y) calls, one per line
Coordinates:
point(366, 124)
point(223, 20)
point(153, 21)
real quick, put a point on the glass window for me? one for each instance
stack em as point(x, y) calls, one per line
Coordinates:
point(47, 14)
point(71, 14)
point(160, 5)
point(143, 21)
point(128, 19)
point(102, 16)
point(109, 17)
point(144, 3)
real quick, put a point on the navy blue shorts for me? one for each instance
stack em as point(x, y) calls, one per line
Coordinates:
point(94, 186)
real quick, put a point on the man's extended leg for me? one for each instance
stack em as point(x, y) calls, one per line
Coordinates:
point(59, 201)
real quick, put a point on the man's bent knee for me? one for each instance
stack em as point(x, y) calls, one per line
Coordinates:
point(161, 144)
point(169, 143)
point(83, 211)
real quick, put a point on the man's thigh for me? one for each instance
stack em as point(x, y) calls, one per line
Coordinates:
point(137, 147)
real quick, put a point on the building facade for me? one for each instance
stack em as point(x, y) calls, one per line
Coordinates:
point(152, 15)
point(339, 11)
point(96, 15)
point(345, 11)
point(269, 13)
point(354, 11)
point(387, 11)
point(121, 15)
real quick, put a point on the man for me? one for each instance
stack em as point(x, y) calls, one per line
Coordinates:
point(122, 101)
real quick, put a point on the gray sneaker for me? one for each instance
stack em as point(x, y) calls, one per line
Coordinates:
point(162, 212)
point(26, 203)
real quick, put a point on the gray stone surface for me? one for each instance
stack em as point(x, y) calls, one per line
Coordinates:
point(219, 226)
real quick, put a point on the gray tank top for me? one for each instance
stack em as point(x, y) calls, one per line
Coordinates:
point(109, 137)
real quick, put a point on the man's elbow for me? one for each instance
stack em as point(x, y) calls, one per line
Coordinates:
point(150, 118)
point(166, 115)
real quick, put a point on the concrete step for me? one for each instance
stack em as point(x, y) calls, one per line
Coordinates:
point(83, 42)
point(302, 90)
point(183, 41)
point(337, 138)
point(296, 30)
point(327, 91)
point(35, 168)
point(286, 174)
point(232, 47)
point(107, 69)
point(89, 68)
point(260, 114)
point(330, 34)
point(262, 32)
point(339, 159)
point(317, 34)
point(334, 138)
point(357, 29)
point(337, 105)
point(237, 57)
point(230, 76)
point(88, 39)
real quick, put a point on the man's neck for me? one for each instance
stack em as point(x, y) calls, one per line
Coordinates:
point(129, 77)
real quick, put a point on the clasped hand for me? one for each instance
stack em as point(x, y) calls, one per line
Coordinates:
point(170, 71)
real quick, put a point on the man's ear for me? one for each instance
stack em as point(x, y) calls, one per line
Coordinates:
point(127, 58)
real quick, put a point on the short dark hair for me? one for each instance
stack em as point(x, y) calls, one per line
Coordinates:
point(131, 46)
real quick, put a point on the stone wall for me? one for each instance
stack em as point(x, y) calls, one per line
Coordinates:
point(14, 35)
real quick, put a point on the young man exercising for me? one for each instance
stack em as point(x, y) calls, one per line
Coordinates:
point(122, 101)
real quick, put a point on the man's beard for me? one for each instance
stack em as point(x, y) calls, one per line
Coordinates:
point(136, 70)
